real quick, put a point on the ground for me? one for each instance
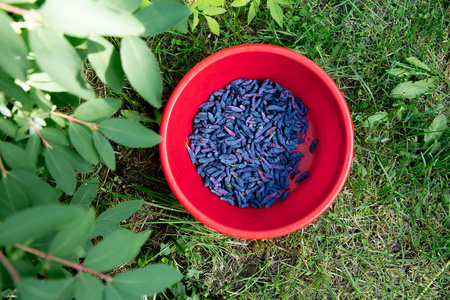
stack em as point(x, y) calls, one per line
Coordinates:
point(386, 235)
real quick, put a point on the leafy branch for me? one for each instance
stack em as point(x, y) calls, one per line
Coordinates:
point(71, 118)
point(42, 71)
point(78, 267)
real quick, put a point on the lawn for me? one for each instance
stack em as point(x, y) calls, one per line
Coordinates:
point(387, 235)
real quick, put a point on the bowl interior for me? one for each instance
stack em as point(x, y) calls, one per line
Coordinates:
point(329, 120)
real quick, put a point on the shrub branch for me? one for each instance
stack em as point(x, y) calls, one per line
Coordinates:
point(12, 272)
point(2, 168)
point(71, 119)
point(20, 11)
point(78, 267)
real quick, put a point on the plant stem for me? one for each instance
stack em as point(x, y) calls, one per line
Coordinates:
point(2, 168)
point(13, 9)
point(12, 272)
point(71, 119)
point(20, 11)
point(78, 267)
point(44, 141)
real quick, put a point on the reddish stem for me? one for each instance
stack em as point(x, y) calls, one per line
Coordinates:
point(78, 267)
point(13, 9)
point(71, 119)
point(2, 168)
point(12, 272)
point(20, 11)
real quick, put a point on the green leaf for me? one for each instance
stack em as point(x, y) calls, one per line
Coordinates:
point(129, 133)
point(44, 82)
point(78, 43)
point(64, 99)
point(54, 270)
point(98, 17)
point(81, 137)
point(12, 198)
point(35, 189)
point(5, 280)
point(73, 234)
point(104, 228)
point(108, 221)
point(215, 2)
point(21, 189)
point(34, 222)
point(161, 16)
point(194, 19)
point(213, 25)
point(59, 59)
point(253, 10)
point(375, 119)
point(142, 69)
point(61, 170)
point(399, 113)
point(8, 127)
point(111, 293)
point(129, 5)
point(106, 62)
point(22, 133)
point(118, 248)
point(16, 93)
point(97, 109)
point(122, 211)
point(42, 244)
point(105, 150)
point(148, 280)
point(416, 62)
point(275, 12)
point(182, 26)
point(26, 267)
point(86, 193)
point(214, 11)
point(136, 116)
point(435, 130)
point(16, 157)
point(88, 287)
point(400, 73)
point(54, 135)
point(240, 3)
point(34, 289)
point(33, 147)
point(76, 161)
point(13, 52)
point(40, 98)
point(415, 89)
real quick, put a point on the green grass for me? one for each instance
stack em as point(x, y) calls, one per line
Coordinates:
point(387, 236)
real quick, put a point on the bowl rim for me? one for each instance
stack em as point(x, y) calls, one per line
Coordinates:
point(347, 160)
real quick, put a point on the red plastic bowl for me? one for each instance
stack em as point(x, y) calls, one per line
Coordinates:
point(329, 119)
